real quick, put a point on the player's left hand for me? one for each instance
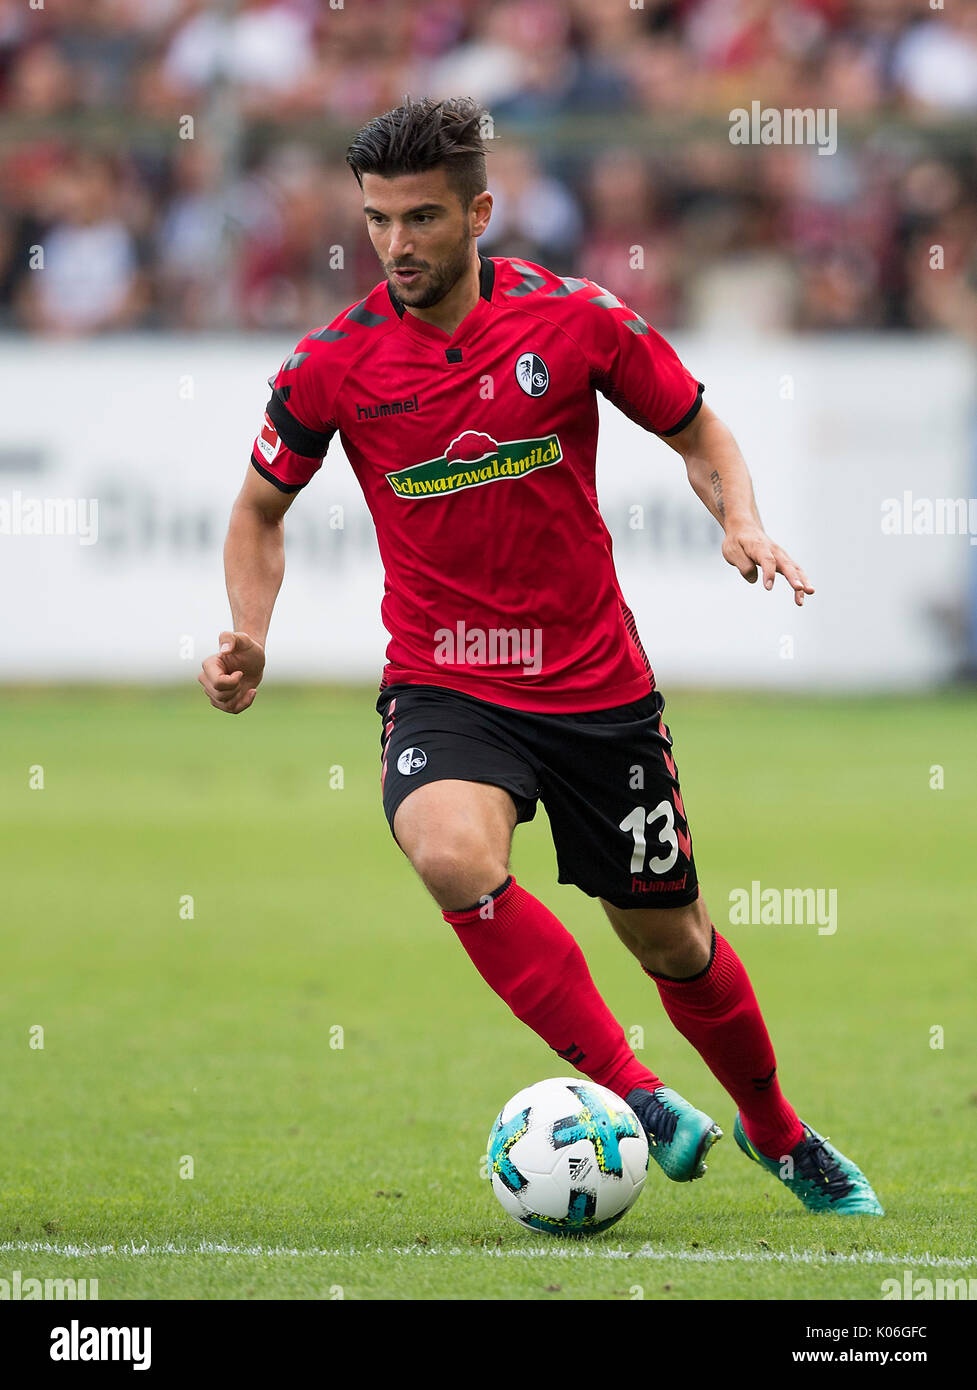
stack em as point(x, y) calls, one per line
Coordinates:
point(752, 552)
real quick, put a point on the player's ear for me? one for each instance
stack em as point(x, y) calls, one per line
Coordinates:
point(480, 212)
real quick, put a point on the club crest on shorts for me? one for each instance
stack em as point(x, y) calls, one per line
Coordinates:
point(411, 760)
point(532, 374)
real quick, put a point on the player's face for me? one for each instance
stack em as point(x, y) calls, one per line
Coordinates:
point(421, 233)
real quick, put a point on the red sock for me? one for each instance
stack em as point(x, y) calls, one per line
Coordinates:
point(718, 1013)
point(532, 962)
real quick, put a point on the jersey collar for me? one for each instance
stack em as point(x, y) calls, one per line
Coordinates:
point(430, 331)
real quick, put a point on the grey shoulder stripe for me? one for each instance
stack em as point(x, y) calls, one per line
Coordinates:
point(606, 300)
point(365, 316)
point(610, 301)
point(528, 284)
point(568, 285)
point(296, 360)
point(328, 335)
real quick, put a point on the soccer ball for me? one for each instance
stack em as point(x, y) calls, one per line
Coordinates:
point(567, 1156)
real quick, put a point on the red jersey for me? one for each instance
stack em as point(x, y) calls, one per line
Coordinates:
point(476, 453)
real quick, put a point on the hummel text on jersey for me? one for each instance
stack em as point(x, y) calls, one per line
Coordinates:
point(378, 412)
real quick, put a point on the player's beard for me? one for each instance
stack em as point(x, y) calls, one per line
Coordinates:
point(439, 279)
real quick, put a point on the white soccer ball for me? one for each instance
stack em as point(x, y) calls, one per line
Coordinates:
point(567, 1156)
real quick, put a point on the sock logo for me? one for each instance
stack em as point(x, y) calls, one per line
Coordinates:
point(411, 760)
point(572, 1054)
point(763, 1083)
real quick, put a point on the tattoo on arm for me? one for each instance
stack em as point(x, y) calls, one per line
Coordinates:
point(717, 492)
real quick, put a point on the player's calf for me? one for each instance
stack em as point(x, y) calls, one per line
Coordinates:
point(674, 943)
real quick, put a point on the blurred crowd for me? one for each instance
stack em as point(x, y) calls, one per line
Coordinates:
point(111, 219)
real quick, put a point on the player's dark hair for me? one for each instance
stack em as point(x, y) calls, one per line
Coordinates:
point(423, 135)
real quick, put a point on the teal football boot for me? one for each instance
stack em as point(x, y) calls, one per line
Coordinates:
point(821, 1177)
point(679, 1136)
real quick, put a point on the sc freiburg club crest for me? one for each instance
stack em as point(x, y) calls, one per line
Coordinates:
point(532, 374)
point(411, 760)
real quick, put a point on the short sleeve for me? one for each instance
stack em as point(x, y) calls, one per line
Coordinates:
point(294, 436)
point(635, 368)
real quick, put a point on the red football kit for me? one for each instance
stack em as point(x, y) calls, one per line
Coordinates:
point(476, 453)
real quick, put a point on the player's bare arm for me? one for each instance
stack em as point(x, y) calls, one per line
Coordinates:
point(254, 565)
point(720, 478)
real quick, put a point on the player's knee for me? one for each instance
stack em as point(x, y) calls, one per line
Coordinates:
point(457, 872)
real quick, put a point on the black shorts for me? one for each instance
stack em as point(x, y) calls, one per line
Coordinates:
point(606, 778)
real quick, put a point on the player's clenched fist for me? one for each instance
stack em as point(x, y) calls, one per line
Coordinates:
point(231, 677)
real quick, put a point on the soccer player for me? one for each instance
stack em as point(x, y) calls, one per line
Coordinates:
point(464, 392)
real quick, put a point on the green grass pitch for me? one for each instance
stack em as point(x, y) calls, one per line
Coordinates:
point(322, 1171)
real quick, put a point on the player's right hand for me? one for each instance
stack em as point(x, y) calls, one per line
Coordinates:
point(231, 677)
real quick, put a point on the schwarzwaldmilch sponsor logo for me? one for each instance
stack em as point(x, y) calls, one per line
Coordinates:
point(472, 460)
point(408, 406)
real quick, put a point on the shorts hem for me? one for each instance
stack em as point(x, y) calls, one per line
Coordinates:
point(657, 901)
point(525, 806)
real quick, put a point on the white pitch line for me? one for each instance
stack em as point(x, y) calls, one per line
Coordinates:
point(130, 1250)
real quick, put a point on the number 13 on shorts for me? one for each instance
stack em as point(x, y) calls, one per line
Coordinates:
point(668, 837)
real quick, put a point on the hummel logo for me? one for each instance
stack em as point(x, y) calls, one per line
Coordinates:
point(377, 412)
point(573, 1054)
